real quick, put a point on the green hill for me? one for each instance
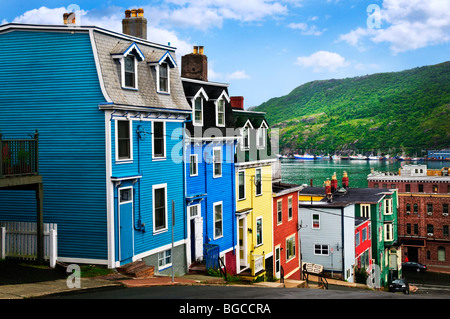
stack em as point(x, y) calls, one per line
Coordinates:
point(405, 111)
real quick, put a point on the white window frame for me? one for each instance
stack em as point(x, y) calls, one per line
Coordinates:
point(290, 207)
point(196, 164)
point(388, 209)
point(214, 219)
point(261, 130)
point(321, 248)
point(294, 245)
point(122, 70)
point(130, 123)
point(247, 127)
point(365, 210)
point(388, 232)
point(279, 212)
point(158, 77)
point(217, 103)
point(312, 221)
point(256, 188)
point(164, 139)
point(262, 231)
point(166, 227)
point(243, 198)
point(201, 94)
point(357, 239)
point(199, 210)
point(218, 148)
point(162, 257)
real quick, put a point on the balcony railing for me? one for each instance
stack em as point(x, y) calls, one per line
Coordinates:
point(19, 157)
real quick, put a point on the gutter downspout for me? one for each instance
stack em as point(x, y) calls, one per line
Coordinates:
point(342, 239)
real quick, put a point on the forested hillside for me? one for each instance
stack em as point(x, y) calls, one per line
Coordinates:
point(400, 111)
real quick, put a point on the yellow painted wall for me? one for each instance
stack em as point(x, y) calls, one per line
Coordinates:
point(261, 207)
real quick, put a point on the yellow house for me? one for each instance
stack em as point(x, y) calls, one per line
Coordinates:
point(253, 194)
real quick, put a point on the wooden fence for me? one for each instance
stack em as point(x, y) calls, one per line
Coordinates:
point(19, 240)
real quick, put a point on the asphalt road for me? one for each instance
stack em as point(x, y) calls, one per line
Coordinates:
point(429, 283)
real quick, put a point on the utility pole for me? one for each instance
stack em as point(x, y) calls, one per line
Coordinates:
point(172, 254)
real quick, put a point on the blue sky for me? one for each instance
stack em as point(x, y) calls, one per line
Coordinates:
point(266, 48)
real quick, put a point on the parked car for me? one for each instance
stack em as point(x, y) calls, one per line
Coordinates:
point(399, 284)
point(411, 265)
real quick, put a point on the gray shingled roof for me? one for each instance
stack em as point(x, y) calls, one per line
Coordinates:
point(146, 96)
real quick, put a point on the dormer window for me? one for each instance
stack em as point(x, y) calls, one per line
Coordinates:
point(220, 108)
point(197, 107)
point(130, 72)
point(162, 63)
point(198, 111)
point(261, 135)
point(128, 55)
point(245, 136)
point(163, 78)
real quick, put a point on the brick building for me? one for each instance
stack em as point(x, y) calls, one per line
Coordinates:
point(423, 211)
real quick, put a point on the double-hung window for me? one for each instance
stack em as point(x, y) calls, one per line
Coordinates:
point(218, 220)
point(193, 165)
point(217, 159)
point(198, 111)
point(315, 221)
point(279, 211)
point(241, 184)
point(159, 140)
point(221, 112)
point(123, 140)
point(258, 181)
point(290, 209)
point(290, 248)
point(159, 207)
point(259, 231)
point(130, 72)
point(246, 138)
point(164, 78)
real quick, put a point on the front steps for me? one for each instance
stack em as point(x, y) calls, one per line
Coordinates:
point(137, 269)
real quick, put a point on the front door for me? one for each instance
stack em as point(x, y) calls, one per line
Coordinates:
point(277, 262)
point(242, 240)
point(125, 224)
point(196, 239)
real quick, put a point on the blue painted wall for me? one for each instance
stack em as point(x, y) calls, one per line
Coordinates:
point(49, 82)
point(217, 189)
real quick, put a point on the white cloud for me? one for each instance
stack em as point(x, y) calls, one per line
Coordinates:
point(323, 61)
point(237, 75)
point(110, 19)
point(306, 29)
point(217, 76)
point(406, 25)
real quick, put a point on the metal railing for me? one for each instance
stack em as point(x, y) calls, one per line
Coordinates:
point(19, 156)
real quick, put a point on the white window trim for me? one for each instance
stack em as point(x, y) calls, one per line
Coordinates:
point(279, 222)
point(116, 137)
point(203, 96)
point(388, 204)
point(291, 205)
point(122, 71)
point(168, 265)
point(214, 162)
point(391, 232)
point(160, 158)
point(248, 125)
point(312, 221)
point(199, 211)
point(222, 97)
point(256, 231)
point(196, 165)
point(321, 249)
point(292, 237)
point(260, 171)
point(158, 88)
point(363, 208)
point(214, 219)
point(262, 127)
point(245, 190)
point(155, 187)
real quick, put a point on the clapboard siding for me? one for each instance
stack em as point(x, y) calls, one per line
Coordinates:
point(50, 83)
point(154, 172)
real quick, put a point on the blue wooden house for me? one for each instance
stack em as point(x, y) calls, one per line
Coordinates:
point(110, 109)
point(209, 156)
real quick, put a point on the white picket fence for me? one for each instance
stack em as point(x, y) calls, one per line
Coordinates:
point(19, 240)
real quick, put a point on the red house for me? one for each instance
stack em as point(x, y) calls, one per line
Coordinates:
point(286, 250)
point(363, 243)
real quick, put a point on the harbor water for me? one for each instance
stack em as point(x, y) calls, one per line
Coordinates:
point(304, 171)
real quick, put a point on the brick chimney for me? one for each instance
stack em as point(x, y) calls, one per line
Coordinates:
point(237, 102)
point(135, 24)
point(195, 65)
